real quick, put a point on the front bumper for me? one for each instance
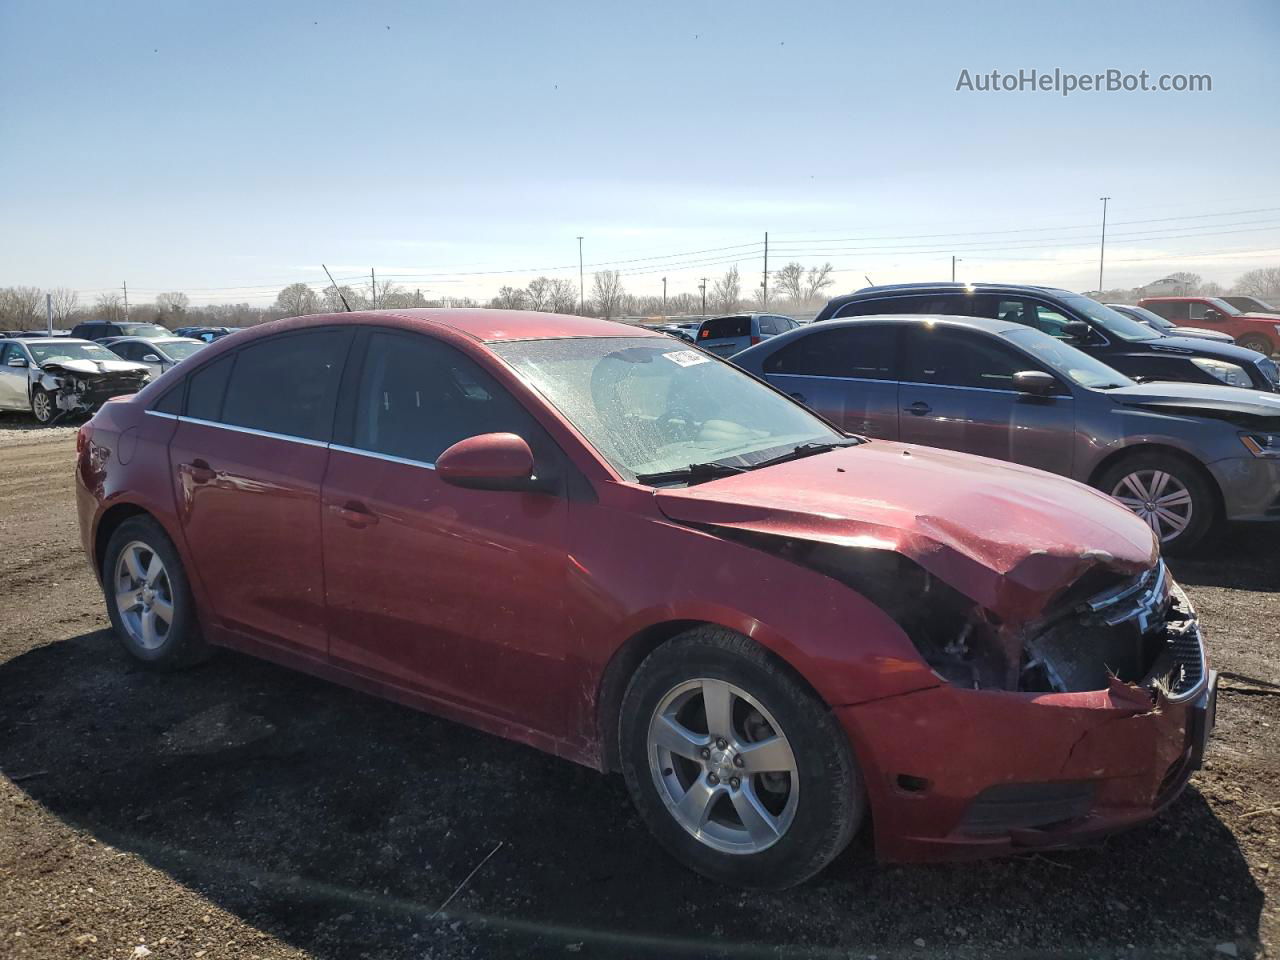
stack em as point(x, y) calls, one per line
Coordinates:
point(957, 774)
point(1250, 487)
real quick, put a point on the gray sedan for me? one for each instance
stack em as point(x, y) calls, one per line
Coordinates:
point(1181, 455)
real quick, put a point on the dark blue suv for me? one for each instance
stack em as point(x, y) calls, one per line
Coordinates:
point(1118, 341)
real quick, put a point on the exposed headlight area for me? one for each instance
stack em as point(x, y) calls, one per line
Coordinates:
point(1269, 368)
point(1265, 445)
point(1231, 374)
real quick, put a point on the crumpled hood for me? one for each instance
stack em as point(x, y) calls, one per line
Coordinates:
point(92, 367)
point(1008, 537)
point(1237, 405)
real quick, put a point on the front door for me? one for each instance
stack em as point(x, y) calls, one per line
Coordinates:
point(248, 457)
point(957, 392)
point(455, 592)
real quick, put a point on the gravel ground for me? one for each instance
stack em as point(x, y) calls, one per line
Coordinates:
point(239, 810)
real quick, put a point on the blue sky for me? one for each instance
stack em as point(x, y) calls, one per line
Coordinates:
point(227, 148)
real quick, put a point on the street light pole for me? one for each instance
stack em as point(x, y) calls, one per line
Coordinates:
point(664, 298)
point(703, 286)
point(1102, 251)
point(954, 261)
point(582, 283)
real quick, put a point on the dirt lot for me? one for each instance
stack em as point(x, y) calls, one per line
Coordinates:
point(242, 810)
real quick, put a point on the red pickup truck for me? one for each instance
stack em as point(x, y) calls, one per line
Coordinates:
point(1257, 331)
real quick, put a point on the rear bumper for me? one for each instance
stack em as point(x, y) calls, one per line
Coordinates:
point(960, 774)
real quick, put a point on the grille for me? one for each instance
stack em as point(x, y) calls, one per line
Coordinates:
point(1188, 661)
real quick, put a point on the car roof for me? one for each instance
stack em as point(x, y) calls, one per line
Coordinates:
point(492, 326)
point(942, 286)
point(30, 340)
point(1188, 296)
point(984, 324)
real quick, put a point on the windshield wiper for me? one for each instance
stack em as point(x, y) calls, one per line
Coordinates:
point(805, 450)
point(693, 473)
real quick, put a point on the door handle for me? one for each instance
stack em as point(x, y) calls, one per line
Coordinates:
point(201, 472)
point(354, 514)
point(919, 408)
point(799, 398)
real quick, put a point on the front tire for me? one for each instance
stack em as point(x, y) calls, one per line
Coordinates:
point(43, 407)
point(1173, 497)
point(740, 770)
point(1255, 342)
point(149, 597)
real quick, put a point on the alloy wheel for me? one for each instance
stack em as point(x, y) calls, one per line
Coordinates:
point(723, 766)
point(1159, 498)
point(144, 595)
point(42, 406)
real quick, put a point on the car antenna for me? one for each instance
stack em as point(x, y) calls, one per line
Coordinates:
point(870, 282)
point(338, 288)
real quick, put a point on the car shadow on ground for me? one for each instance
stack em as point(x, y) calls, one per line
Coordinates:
point(1244, 556)
point(340, 823)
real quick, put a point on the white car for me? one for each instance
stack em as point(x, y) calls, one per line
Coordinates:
point(54, 376)
point(158, 353)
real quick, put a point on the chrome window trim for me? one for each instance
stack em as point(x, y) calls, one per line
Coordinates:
point(821, 376)
point(159, 413)
point(1012, 393)
point(382, 456)
point(251, 431)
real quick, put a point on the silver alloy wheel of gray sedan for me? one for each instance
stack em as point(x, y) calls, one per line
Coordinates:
point(144, 596)
point(723, 766)
point(42, 406)
point(1159, 498)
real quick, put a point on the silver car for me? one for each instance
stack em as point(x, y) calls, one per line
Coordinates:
point(1181, 455)
point(159, 353)
point(725, 336)
point(55, 376)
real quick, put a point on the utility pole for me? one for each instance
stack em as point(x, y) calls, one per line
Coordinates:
point(664, 298)
point(764, 298)
point(954, 261)
point(1102, 251)
point(703, 285)
point(126, 300)
point(48, 311)
point(582, 283)
point(373, 290)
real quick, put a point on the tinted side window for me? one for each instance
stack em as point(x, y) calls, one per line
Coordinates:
point(769, 325)
point(957, 359)
point(1008, 309)
point(1198, 310)
point(288, 384)
point(722, 328)
point(866, 352)
point(418, 396)
point(206, 388)
point(171, 402)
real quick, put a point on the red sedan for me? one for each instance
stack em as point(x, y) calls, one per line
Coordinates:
point(597, 540)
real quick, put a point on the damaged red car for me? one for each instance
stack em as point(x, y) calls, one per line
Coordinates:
point(599, 541)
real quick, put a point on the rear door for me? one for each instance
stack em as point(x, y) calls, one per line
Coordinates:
point(847, 374)
point(725, 336)
point(248, 457)
point(957, 393)
point(456, 592)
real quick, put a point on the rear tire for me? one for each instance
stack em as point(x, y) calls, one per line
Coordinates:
point(761, 788)
point(1185, 506)
point(149, 597)
point(1255, 342)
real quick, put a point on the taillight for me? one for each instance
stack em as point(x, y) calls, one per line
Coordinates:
point(754, 341)
point(82, 439)
point(705, 334)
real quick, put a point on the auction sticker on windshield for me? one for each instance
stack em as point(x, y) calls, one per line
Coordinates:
point(686, 358)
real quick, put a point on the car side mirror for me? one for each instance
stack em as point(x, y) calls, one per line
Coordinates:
point(1211, 315)
point(1036, 383)
point(150, 358)
point(1077, 329)
point(17, 361)
point(490, 461)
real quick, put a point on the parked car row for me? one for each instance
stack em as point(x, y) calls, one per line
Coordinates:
point(1258, 331)
point(614, 546)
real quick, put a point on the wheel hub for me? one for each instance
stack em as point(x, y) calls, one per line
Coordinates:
point(722, 763)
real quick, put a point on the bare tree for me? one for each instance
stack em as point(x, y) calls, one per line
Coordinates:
point(538, 294)
point(819, 279)
point(109, 307)
point(789, 280)
point(1264, 282)
point(64, 305)
point(728, 290)
point(607, 293)
point(332, 297)
point(20, 306)
point(510, 298)
point(391, 297)
point(562, 296)
point(172, 305)
point(297, 300)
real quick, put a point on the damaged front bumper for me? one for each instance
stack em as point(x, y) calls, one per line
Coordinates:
point(956, 773)
point(82, 393)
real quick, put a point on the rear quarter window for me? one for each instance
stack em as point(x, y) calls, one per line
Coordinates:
point(724, 328)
